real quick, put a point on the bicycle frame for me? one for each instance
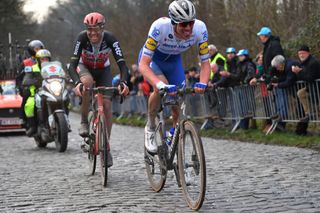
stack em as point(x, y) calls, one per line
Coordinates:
point(175, 139)
point(98, 109)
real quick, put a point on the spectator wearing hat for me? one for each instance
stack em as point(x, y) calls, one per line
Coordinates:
point(244, 73)
point(227, 79)
point(308, 70)
point(272, 47)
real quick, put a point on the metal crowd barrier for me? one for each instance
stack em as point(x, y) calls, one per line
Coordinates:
point(257, 102)
point(242, 102)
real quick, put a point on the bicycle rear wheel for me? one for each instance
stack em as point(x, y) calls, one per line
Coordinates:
point(92, 158)
point(192, 166)
point(156, 171)
point(103, 149)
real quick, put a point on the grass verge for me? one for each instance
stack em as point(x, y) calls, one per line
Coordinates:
point(288, 138)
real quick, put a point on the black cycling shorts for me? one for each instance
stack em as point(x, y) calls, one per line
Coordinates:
point(102, 77)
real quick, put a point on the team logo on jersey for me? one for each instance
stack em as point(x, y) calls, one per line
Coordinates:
point(151, 44)
point(205, 35)
point(203, 48)
point(155, 33)
point(117, 48)
point(76, 49)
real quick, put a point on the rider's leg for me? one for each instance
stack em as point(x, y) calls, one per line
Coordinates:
point(87, 81)
point(154, 104)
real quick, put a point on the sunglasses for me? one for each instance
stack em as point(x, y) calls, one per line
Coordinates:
point(185, 24)
point(94, 29)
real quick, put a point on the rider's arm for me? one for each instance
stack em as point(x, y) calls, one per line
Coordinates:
point(147, 54)
point(205, 72)
point(74, 60)
point(204, 54)
point(118, 56)
point(144, 67)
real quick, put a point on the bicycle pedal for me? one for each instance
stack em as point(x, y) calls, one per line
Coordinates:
point(84, 147)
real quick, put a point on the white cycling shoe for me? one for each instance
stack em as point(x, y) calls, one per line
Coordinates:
point(149, 141)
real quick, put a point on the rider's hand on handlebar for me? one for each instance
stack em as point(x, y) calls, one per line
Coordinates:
point(200, 87)
point(79, 89)
point(123, 88)
point(171, 90)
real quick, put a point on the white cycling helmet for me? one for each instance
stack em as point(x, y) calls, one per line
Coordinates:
point(182, 11)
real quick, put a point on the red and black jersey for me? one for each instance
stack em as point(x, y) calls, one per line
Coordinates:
point(96, 56)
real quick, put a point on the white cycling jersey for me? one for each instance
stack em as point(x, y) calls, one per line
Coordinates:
point(161, 38)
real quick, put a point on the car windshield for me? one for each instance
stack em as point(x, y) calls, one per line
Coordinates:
point(8, 88)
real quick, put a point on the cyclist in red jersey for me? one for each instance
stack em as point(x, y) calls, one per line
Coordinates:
point(90, 62)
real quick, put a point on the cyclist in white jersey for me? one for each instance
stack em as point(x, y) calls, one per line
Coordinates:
point(160, 59)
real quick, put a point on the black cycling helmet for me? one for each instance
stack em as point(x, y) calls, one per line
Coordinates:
point(34, 44)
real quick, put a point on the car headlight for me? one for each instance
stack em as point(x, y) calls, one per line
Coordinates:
point(55, 87)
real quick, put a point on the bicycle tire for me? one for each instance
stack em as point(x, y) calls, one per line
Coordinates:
point(157, 175)
point(61, 135)
point(92, 158)
point(194, 189)
point(103, 149)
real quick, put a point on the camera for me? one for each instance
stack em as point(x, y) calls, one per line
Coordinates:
point(273, 80)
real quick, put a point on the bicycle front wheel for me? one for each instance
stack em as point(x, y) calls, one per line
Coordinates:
point(192, 166)
point(103, 149)
point(156, 169)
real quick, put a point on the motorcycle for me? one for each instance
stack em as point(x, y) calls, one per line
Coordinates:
point(52, 102)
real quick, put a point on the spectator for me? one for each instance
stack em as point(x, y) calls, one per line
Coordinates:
point(194, 76)
point(217, 63)
point(272, 47)
point(226, 78)
point(261, 74)
point(282, 78)
point(144, 88)
point(244, 73)
point(308, 70)
point(135, 79)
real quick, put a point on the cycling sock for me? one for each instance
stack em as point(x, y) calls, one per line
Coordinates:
point(151, 124)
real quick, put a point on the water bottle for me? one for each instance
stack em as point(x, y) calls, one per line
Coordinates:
point(169, 136)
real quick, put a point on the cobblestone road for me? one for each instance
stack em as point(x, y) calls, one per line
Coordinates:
point(241, 177)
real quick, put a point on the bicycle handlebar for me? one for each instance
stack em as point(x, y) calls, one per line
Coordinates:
point(183, 91)
point(103, 88)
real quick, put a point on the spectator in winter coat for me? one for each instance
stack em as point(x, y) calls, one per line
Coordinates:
point(282, 78)
point(272, 46)
point(309, 71)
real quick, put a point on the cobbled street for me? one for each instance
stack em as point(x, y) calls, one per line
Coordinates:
point(241, 177)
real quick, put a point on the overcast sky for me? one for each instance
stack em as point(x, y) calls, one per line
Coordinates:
point(39, 7)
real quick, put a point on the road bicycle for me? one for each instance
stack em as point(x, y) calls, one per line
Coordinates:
point(97, 141)
point(186, 146)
